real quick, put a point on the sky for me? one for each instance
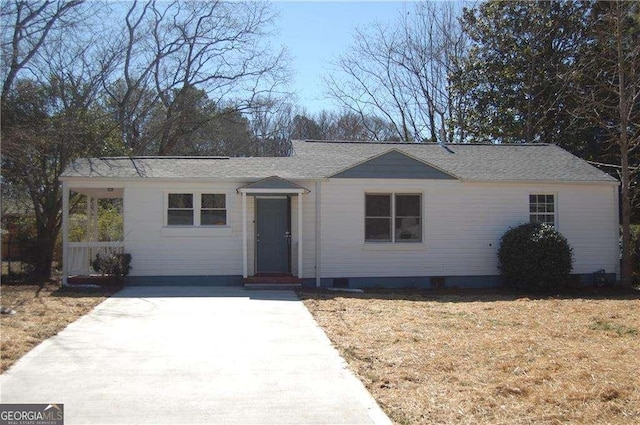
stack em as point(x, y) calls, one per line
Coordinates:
point(316, 32)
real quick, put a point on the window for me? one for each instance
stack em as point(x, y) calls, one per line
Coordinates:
point(378, 218)
point(393, 218)
point(196, 209)
point(408, 226)
point(180, 211)
point(213, 210)
point(542, 209)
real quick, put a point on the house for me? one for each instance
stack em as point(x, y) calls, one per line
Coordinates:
point(354, 214)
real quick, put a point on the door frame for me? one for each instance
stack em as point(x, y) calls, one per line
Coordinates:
point(255, 233)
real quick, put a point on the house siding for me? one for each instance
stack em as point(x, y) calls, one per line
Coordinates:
point(393, 165)
point(158, 250)
point(308, 232)
point(462, 226)
point(463, 223)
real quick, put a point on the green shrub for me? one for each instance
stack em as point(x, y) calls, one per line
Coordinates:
point(116, 265)
point(535, 257)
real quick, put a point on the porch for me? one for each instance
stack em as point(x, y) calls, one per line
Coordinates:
point(92, 224)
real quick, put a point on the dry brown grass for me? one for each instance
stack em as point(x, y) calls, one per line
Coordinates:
point(40, 314)
point(490, 358)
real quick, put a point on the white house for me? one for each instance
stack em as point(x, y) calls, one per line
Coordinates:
point(345, 213)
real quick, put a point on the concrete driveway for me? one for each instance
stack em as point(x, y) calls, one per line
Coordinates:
point(194, 355)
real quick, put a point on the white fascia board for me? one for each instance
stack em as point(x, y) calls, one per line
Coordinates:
point(123, 180)
point(258, 191)
point(567, 182)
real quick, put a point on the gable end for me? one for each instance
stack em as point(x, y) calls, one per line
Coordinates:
point(393, 165)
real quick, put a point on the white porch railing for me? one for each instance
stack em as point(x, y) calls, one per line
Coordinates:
point(81, 254)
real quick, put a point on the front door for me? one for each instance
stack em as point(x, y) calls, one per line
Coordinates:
point(272, 235)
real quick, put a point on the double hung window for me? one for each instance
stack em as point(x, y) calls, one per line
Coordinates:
point(196, 209)
point(180, 210)
point(393, 217)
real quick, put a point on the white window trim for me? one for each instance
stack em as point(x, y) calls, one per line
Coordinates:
point(556, 221)
point(408, 245)
point(166, 208)
point(200, 209)
point(364, 234)
point(196, 229)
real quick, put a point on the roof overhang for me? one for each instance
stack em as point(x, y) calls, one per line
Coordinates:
point(273, 185)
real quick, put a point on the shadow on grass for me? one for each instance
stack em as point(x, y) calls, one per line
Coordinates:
point(473, 295)
point(71, 292)
point(53, 288)
point(30, 282)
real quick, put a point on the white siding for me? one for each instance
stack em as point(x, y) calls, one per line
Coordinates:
point(308, 231)
point(160, 250)
point(463, 223)
point(173, 251)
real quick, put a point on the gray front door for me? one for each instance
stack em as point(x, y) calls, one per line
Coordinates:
point(272, 230)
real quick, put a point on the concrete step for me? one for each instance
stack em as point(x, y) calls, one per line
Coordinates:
point(273, 286)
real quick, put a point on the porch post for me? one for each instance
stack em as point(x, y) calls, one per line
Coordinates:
point(244, 235)
point(94, 219)
point(318, 236)
point(300, 235)
point(89, 219)
point(65, 232)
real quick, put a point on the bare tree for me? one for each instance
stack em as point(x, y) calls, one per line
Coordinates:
point(343, 125)
point(51, 115)
point(25, 28)
point(400, 73)
point(610, 95)
point(176, 47)
point(272, 127)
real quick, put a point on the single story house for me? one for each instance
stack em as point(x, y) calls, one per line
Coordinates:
point(355, 214)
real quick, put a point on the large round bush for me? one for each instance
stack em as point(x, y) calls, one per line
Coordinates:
point(535, 257)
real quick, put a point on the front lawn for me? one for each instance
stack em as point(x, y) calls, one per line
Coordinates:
point(490, 357)
point(41, 312)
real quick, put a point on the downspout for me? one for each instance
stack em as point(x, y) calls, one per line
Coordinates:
point(244, 235)
point(318, 235)
point(300, 262)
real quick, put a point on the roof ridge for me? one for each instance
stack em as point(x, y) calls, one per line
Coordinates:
point(164, 157)
point(363, 142)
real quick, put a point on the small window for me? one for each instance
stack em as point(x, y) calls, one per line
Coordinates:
point(393, 218)
point(542, 209)
point(213, 210)
point(180, 209)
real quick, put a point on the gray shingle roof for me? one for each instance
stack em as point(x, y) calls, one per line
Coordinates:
point(316, 160)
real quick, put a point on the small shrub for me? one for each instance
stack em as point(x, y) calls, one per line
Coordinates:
point(535, 257)
point(116, 265)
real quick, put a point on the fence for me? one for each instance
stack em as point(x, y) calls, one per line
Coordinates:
point(81, 254)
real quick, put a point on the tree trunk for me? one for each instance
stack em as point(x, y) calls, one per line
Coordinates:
point(624, 107)
point(48, 224)
point(625, 266)
point(43, 255)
